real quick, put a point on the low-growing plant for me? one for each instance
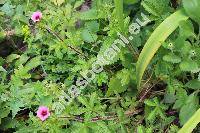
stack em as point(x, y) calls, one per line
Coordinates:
point(146, 53)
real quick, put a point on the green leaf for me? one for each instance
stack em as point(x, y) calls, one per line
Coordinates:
point(186, 29)
point(15, 107)
point(150, 103)
point(78, 3)
point(185, 47)
point(125, 76)
point(89, 15)
point(2, 69)
point(169, 98)
point(140, 129)
point(192, 9)
point(181, 99)
point(23, 59)
point(163, 69)
point(22, 73)
point(92, 26)
point(193, 84)
point(84, 101)
point(115, 86)
point(58, 2)
point(155, 7)
point(7, 9)
point(189, 126)
point(189, 66)
point(160, 34)
point(88, 36)
point(12, 57)
point(4, 112)
point(188, 109)
point(33, 63)
point(172, 58)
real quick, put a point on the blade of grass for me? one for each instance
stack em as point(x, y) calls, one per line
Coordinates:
point(189, 126)
point(156, 39)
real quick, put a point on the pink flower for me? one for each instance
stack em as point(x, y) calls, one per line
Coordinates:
point(43, 113)
point(36, 16)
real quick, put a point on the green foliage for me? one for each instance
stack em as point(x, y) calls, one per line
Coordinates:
point(192, 9)
point(189, 108)
point(119, 12)
point(193, 84)
point(191, 124)
point(119, 82)
point(156, 7)
point(41, 61)
point(156, 111)
point(2, 36)
point(58, 2)
point(130, 1)
point(155, 41)
point(189, 65)
point(172, 58)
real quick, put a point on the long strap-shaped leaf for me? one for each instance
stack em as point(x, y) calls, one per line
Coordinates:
point(160, 34)
point(191, 123)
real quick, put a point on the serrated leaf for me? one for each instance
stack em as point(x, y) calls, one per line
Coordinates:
point(185, 47)
point(188, 109)
point(155, 7)
point(33, 63)
point(12, 57)
point(89, 15)
point(125, 76)
point(181, 99)
point(163, 69)
point(84, 101)
point(88, 36)
point(172, 58)
point(7, 9)
point(22, 73)
point(92, 26)
point(23, 59)
point(115, 86)
point(189, 66)
point(15, 107)
point(193, 84)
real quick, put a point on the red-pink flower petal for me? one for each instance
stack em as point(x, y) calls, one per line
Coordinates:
point(36, 16)
point(43, 113)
